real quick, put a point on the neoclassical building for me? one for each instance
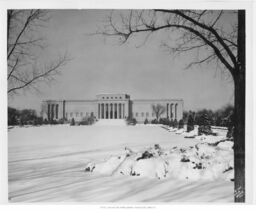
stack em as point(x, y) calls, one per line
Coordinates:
point(111, 106)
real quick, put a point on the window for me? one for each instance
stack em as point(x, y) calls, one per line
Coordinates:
point(120, 97)
point(66, 114)
point(142, 114)
point(153, 114)
point(86, 113)
point(147, 114)
point(71, 114)
point(111, 97)
point(77, 114)
point(107, 97)
point(102, 97)
point(115, 97)
point(81, 114)
point(136, 114)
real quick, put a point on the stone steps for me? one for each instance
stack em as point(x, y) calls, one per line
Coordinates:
point(112, 122)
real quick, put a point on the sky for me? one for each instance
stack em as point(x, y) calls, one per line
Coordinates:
point(98, 65)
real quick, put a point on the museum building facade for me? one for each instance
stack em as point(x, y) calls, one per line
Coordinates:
point(111, 106)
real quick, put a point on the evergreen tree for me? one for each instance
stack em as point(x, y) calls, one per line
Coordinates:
point(175, 123)
point(190, 125)
point(146, 121)
point(204, 125)
point(72, 122)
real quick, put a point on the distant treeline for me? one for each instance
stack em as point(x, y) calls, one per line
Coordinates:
point(23, 117)
point(221, 117)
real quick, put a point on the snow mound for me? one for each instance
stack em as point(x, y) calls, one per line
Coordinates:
point(226, 145)
point(180, 131)
point(210, 139)
point(171, 129)
point(203, 161)
point(191, 134)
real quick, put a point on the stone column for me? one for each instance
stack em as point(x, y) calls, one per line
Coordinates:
point(171, 111)
point(167, 110)
point(176, 105)
point(102, 111)
point(115, 116)
point(117, 110)
point(52, 112)
point(112, 110)
point(99, 111)
point(123, 110)
point(57, 111)
point(105, 109)
point(109, 111)
point(49, 112)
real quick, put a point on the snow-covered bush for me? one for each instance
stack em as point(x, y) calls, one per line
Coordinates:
point(202, 161)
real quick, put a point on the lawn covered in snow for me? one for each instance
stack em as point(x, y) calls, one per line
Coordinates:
point(48, 163)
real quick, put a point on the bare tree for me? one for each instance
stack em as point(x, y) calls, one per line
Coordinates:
point(158, 110)
point(212, 36)
point(23, 46)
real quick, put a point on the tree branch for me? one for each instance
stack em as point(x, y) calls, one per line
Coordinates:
point(208, 28)
point(36, 77)
point(13, 68)
point(186, 28)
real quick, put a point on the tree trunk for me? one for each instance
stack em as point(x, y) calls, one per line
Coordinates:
point(239, 124)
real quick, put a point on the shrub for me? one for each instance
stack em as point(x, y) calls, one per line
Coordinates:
point(61, 121)
point(87, 120)
point(204, 129)
point(13, 115)
point(53, 122)
point(164, 121)
point(154, 121)
point(146, 121)
point(38, 121)
point(21, 122)
point(72, 123)
point(171, 123)
point(175, 123)
point(181, 124)
point(131, 121)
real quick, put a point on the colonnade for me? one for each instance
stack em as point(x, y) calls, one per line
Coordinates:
point(53, 111)
point(171, 110)
point(111, 110)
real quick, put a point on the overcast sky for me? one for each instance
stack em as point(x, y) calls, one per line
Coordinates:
point(101, 66)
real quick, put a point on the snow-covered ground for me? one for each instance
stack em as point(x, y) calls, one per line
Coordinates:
point(48, 164)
